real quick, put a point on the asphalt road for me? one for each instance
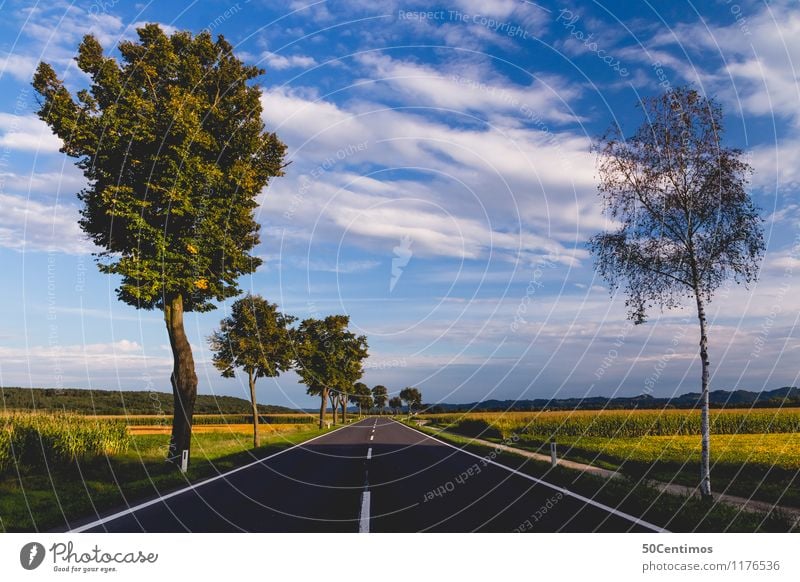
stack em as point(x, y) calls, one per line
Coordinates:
point(374, 475)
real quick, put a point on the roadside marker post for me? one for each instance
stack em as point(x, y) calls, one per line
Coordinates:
point(553, 456)
point(184, 460)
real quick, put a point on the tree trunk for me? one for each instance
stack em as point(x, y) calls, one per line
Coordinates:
point(324, 398)
point(705, 429)
point(184, 380)
point(344, 410)
point(334, 406)
point(251, 378)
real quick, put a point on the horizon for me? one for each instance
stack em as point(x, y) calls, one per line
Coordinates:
point(445, 212)
point(351, 406)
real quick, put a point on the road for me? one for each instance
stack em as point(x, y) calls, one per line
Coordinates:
point(374, 475)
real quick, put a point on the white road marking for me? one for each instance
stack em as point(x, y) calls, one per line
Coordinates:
point(369, 453)
point(634, 519)
point(363, 521)
point(372, 436)
point(136, 508)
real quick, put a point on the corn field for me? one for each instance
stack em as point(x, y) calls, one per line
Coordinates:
point(619, 423)
point(32, 438)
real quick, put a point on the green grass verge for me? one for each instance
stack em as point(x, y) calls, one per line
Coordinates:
point(633, 496)
point(765, 467)
point(34, 500)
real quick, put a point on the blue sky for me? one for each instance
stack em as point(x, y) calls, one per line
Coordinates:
point(441, 192)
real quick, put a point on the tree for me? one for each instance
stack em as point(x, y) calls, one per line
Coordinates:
point(379, 396)
point(686, 221)
point(395, 403)
point(256, 338)
point(328, 357)
point(412, 398)
point(172, 145)
point(361, 395)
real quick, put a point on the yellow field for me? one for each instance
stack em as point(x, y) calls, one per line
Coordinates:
point(770, 450)
point(620, 423)
point(222, 428)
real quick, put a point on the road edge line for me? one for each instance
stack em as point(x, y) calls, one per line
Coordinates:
point(613, 511)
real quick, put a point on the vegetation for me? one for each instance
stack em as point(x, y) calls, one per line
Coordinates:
point(636, 496)
point(37, 500)
point(379, 397)
point(756, 454)
point(618, 424)
point(256, 338)
point(687, 223)
point(328, 357)
point(174, 150)
point(361, 396)
point(412, 397)
point(43, 440)
point(116, 402)
point(395, 403)
point(217, 419)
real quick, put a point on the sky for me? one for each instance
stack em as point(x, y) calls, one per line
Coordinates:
point(441, 192)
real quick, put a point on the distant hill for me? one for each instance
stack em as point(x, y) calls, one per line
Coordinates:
point(787, 396)
point(115, 402)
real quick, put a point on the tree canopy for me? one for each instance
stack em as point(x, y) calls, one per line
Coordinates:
point(175, 152)
point(328, 356)
point(686, 222)
point(171, 142)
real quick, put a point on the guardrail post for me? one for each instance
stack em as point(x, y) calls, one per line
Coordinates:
point(553, 456)
point(184, 460)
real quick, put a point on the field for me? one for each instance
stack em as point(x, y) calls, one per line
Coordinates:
point(753, 452)
point(61, 466)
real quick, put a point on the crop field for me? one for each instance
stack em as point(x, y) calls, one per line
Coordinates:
point(203, 419)
point(272, 428)
point(619, 423)
point(61, 437)
point(753, 452)
point(97, 464)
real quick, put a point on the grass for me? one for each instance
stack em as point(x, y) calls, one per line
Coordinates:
point(633, 496)
point(40, 499)
point(754, 453)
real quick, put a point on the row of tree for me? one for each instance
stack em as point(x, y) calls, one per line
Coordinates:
point(260, 340)
point(175, 152)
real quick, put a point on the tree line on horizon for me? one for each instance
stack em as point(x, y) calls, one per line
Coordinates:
point(260, 340)
point(175, 152)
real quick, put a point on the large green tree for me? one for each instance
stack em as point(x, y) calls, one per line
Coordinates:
point(684, 220)
point(379, 397)
point(328, 356)
point(412, 397)
point(361, 396)
point(256, 338)
point(171, 142)
point(395, 402)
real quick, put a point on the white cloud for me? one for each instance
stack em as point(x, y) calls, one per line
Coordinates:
point(27, 133)
point(281, 62)
point(21, 67)
point(467, 87)
point(27, 225)
point(758, 74)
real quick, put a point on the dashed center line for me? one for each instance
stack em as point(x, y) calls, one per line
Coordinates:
point(363, 522)
point(369, 453)
point(372, 436)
